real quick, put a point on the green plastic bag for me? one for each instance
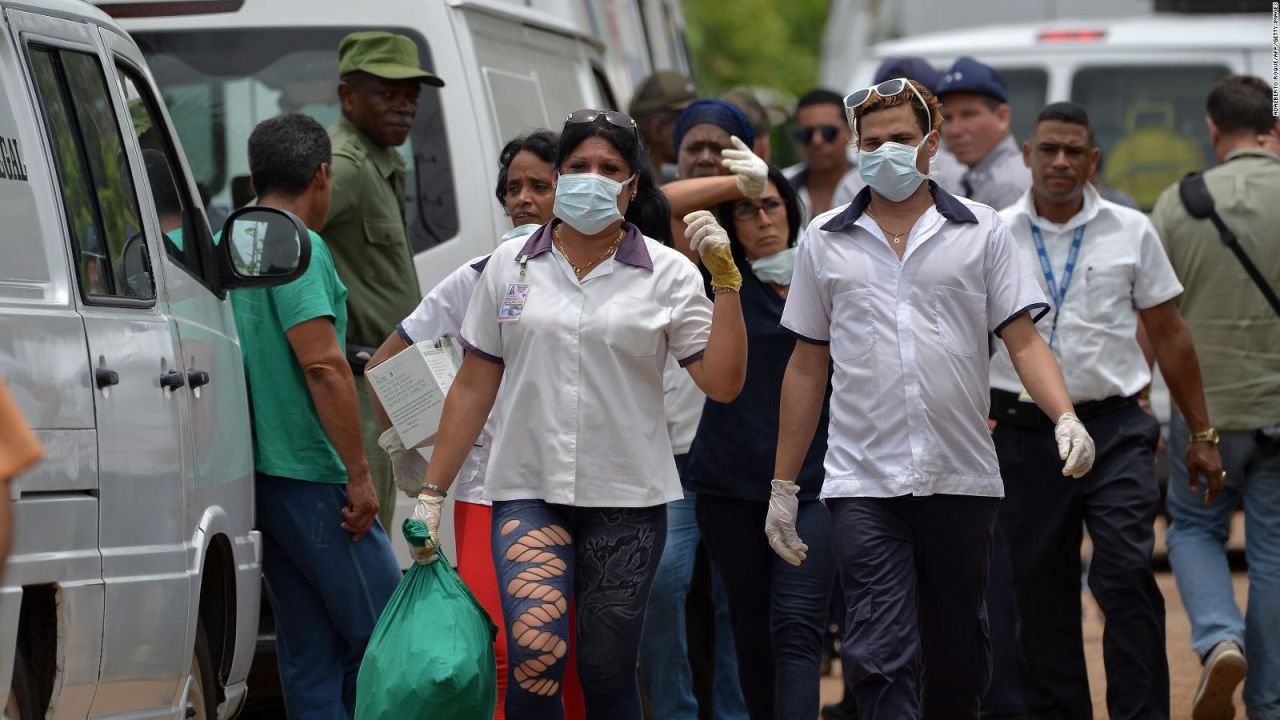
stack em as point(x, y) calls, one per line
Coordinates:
point(431, 654)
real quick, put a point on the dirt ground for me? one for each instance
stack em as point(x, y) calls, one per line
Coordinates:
point(1184, 666)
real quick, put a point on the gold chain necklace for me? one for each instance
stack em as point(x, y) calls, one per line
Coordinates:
point(580, 270)
point(897, 237)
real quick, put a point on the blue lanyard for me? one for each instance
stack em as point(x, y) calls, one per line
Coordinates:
point(1057, 293)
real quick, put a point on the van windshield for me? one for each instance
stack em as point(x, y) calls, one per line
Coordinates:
point(219, 84)
point(1149, 122)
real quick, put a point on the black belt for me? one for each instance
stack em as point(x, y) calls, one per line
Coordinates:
point(1007, 408)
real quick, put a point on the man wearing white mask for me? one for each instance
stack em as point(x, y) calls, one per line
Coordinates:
point(901, 288)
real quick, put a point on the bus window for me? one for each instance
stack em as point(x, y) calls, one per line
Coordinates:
point(1149, 123)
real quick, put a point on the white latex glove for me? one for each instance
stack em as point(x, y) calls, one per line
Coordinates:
point(780, 523)
point(749, 171)
point(408, 467)
point(427, 512)
point(1075, 447)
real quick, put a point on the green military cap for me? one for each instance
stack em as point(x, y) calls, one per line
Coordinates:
point(383, 54)
point(663, 91)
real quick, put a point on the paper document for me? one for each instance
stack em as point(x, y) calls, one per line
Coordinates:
point(412, 387)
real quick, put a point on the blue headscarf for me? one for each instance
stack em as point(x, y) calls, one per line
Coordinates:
point(721, 113)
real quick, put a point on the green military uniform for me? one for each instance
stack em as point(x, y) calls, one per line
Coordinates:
point(367, 234)
point(367, 231)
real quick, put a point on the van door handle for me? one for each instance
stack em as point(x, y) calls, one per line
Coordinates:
point(197, 378)
point(172, 380)
point(103, 378)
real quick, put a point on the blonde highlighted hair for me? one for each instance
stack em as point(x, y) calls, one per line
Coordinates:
point(879, 102)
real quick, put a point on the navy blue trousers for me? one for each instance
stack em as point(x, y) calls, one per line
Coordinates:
point(914, 572)
point(327, 592)
point(1042, 518)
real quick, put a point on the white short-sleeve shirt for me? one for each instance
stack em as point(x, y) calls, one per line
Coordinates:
point(582, 418)
point(909, 344)
point(439, 314)
point(1121, 268)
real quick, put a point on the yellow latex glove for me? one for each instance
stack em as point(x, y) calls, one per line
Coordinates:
point(711, 242)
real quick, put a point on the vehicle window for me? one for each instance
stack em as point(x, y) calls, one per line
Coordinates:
point(219, 84)
point(98, 192)
point(1028, 88)
point(164, 173)
point(1149, 123)
point(533, 83)
point(516, 100)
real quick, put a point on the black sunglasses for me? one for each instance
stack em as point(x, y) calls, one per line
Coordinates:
point(748, 210)
point(804, 135)
point(613, 117)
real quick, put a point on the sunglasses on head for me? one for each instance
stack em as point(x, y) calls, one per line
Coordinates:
point(748, 210)
point(804, 135)
point(886, 89)
point(613, 117)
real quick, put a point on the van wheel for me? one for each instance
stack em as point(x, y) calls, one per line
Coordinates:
point(202, 699)
point(22, 693)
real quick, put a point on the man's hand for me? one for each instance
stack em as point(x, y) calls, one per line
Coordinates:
point(780, 523)
point(1075, 447)
point(361, 509)
point(1203, 459)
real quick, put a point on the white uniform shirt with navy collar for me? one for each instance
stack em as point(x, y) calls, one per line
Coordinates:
point(582, 416)
point(1121, 268)
point(909, 344)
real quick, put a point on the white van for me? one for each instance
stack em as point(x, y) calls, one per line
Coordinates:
point(1143, 81)
point(132, 588)
point(509, 66)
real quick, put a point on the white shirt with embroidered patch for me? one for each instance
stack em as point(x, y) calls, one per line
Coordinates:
point(909, 343)
point(1121, 268)
point(582, 418)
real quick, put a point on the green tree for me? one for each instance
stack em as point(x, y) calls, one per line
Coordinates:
point(770, 43)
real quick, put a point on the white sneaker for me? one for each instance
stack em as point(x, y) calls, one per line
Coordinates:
point(1224, 668)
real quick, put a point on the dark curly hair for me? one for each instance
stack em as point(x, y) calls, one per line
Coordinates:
point(542, 143)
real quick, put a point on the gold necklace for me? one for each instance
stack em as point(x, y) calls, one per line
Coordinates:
point(580, 270)
point(897, 237)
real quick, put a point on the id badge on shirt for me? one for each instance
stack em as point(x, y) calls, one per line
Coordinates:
point(513, 303)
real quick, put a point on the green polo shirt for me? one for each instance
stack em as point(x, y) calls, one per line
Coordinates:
point(288, 439)
point(1236, 334)
point(367, 235)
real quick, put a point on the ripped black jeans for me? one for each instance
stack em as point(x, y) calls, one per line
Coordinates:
point(605, 559)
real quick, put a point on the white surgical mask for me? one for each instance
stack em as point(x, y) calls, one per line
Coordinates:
point(519, 231)
point(588, 202)
point(891, 170)
point(776, 268)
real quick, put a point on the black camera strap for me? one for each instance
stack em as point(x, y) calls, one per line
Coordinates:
point(1199, 204)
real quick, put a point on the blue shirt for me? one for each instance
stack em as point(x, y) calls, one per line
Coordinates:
point(733, 452)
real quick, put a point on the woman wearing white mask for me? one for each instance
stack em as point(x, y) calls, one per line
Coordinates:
point(526, 190)
point(579, 319)
point(778, 611)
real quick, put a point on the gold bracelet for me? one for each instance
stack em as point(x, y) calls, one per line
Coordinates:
point(717, 289)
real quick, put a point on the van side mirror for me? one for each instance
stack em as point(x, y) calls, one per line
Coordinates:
point(261, 247)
